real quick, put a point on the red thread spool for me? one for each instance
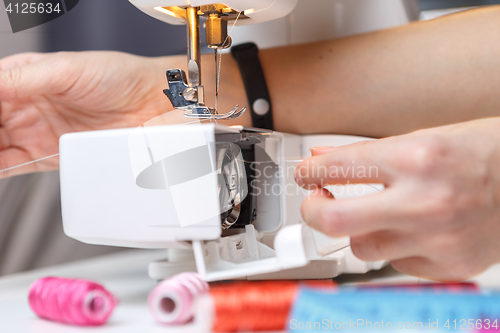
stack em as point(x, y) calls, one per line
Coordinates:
point(71, 301)
point(255, 306)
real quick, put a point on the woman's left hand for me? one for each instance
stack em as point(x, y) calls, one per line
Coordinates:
point(439, 215)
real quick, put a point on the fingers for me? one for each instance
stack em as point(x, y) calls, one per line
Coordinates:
point(13, 157)
point(357, 163)
point(422, 267)
point(321, 150)
point(313, 206)
point(20, 59)
point(384, 245)
point(4, 138)
point(46, 75)
point(443, 269)
point(353, 217)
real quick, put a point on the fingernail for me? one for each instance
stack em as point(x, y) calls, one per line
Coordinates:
point(314, 150)
point(298, 178)
point(319, 147)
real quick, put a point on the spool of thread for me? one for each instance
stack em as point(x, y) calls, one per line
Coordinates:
point(171, 301)
point(71, 301)
point(388, 309)
point(460, 287)
point(252, 306)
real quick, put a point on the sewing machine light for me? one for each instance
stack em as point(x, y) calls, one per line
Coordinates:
point(170, 12)
point(249, 11)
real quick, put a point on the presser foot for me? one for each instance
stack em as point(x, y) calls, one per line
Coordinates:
point(191, 98)
point(203, 112)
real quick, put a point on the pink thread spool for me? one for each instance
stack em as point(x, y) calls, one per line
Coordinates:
point(171, 301)
point(71, 301)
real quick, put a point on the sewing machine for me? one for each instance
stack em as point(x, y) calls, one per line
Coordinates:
point(222, 199)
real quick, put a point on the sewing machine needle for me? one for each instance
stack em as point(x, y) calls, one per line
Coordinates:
point(216, 79)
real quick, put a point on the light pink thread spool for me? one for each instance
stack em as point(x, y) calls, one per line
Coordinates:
point(71, 301)
point(172, 300)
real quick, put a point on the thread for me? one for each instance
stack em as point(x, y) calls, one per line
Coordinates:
point(71, 301)
point(50, 156)
point(219, 64)
point(254, 306)
point(267, 162)
point(28, 163)
point(171, 301)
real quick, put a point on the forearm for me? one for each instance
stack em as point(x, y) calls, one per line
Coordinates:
point(390, 82)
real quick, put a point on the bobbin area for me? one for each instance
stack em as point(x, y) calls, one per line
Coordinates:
point(222, 200)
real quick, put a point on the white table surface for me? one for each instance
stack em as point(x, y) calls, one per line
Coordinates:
point(125, 275)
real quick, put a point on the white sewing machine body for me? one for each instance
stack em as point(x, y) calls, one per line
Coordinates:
point(118, 187)
point(191, 189)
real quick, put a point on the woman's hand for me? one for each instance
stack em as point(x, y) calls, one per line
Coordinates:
point(439, 215)
point(43, 96)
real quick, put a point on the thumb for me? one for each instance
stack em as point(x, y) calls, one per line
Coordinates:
point(49, 74)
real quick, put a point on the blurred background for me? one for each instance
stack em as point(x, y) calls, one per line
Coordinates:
point(31, 234)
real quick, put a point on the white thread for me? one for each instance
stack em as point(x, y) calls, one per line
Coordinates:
point(254, 162)
point(47, 157)
point(264, 162)
point(297, 161)
point(230, 31)
point(217, 73)
point(373, 187)
point(28, 163)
